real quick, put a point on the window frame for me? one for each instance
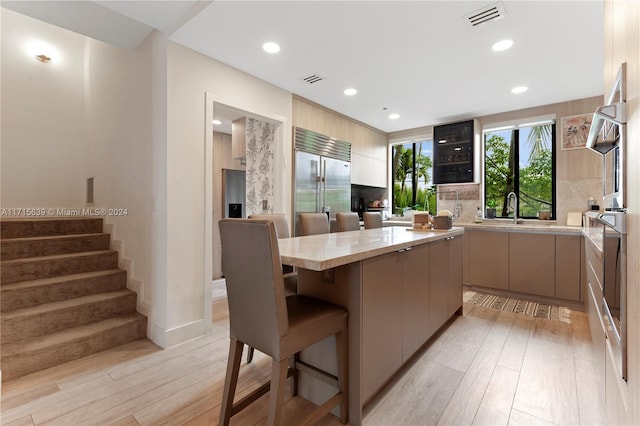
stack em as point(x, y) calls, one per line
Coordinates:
point(515, 128)
point(414, 142)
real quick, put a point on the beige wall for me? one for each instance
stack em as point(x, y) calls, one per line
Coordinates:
point(622, 44)
point(85, 114)
point(135, 121)
point(190, 76)
point(44, 127)
point(578, 171)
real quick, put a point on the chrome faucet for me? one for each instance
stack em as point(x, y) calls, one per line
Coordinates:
point(515, 205)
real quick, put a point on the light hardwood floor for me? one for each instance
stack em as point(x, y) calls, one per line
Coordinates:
point(486, 367)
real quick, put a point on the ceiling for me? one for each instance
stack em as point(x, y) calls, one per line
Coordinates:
point(419, 59)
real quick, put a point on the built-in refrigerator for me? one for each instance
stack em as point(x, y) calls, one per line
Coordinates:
point(322, 174)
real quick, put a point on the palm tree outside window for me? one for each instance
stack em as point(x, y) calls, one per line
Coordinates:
point(521, 159)
point(412, 177)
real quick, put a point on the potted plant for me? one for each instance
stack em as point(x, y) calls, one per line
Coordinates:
point(491, 208)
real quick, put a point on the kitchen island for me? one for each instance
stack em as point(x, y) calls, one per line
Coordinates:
point(399, 286)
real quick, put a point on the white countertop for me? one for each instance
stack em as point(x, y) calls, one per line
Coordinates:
point(325, 251)
point(533, 226)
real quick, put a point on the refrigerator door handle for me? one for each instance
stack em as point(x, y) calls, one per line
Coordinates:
point(324, 184)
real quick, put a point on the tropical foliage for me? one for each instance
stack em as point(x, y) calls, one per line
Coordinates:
point(406, 178)
point(535, 175)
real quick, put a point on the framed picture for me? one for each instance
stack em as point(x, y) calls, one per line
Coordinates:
point(575, 130)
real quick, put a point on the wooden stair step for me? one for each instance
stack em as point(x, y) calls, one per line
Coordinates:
point(34, 268)
point(52, 317)
point(25, 294)
point(24, 228)
point(17, 248)
point(28, 356)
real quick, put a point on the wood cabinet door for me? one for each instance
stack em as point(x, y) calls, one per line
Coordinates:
point(438, 285)
point(532, 263)
point(568, 267)
point(415, 295)
point(381, 320)
point(455, 275)
point(488, 260)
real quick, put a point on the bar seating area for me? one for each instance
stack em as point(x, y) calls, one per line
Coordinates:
point(263, 317)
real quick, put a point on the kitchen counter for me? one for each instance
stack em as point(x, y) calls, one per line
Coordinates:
point(526, 226)
point(400, 286)
point(325, 251)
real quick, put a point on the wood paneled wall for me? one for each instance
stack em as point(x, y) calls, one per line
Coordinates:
point(369, 146)
point(622, 44)
point(365, 140)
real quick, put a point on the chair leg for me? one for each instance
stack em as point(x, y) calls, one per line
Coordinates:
point(250, 354)
point(293, 380)
point(342, 355)
point(276, 397)
point(230, 381)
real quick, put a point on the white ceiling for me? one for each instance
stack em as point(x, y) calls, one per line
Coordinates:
point(420, 59)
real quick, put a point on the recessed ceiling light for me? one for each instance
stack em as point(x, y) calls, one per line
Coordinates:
point(519, 89)
point(217, 122)
point(271, 47)
point(350, 92)
point(502, 45)
point(394, 116)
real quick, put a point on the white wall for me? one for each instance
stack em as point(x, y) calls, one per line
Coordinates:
point(85, 114)
point(135, 121)
point(190, 76)
point(44, 130)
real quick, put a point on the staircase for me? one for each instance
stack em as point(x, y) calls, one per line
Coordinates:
point(62, 294)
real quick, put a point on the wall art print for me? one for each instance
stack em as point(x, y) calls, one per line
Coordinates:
point(575, 130)
point(260, 166)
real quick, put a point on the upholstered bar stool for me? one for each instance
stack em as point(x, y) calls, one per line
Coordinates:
point(262, 317)
point(348, 222)
point(372, 220)
point(290, 277)
point(313, 223)
point(282, 228)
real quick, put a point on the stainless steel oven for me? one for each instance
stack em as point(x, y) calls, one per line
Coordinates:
point(614, 289)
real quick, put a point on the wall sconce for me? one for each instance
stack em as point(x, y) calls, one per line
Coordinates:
point(43, 58)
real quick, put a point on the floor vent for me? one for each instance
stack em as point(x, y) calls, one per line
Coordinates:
point(490, 13)
point(312, 78)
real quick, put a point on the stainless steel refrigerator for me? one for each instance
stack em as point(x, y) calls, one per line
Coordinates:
point(322, 174)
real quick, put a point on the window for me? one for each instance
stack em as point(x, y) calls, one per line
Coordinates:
point(521, 160)
point(412, 177)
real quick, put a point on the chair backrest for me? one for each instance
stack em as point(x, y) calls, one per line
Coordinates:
point(282, 226)
point(348, 222)
point(313, 223)
point(255, 285)
point(372, 220)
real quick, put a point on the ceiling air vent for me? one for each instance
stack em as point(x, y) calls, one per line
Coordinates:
point(490, 13)
point(312, 78)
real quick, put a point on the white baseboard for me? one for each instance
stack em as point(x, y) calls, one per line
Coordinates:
point(218, 289)
point(174, 336)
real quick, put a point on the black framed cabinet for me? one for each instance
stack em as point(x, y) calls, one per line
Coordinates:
point(453, 153)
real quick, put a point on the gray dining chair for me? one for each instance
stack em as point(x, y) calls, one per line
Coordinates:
point(372, 220)
point(313, 223)
point(348, 221)
point(261, 316)
point(290, 276)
